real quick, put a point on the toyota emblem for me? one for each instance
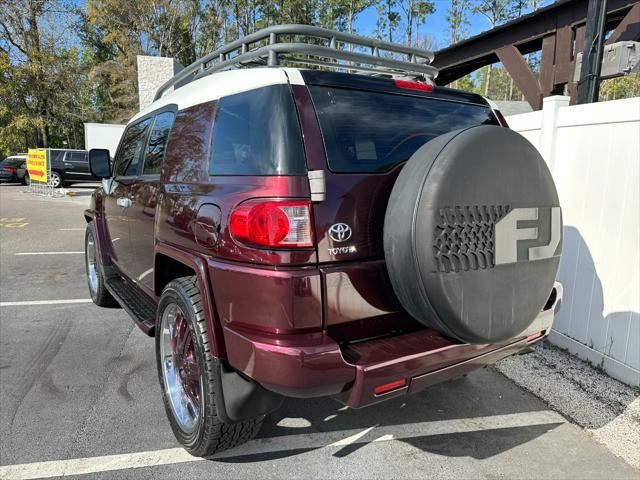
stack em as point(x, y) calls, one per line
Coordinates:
point(340, 232)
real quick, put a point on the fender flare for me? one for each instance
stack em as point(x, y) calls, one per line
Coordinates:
point(241, 398)
point(95, 214)
point(199, 266)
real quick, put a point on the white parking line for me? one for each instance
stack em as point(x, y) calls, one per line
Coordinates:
point(71, 229)
point(49, 253)
point(331, 439)
point(45, 302)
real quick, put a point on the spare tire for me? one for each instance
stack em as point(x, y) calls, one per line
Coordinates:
point(473, 234)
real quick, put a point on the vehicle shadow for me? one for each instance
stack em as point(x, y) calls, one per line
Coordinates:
point(484, 393)
point(586, 323)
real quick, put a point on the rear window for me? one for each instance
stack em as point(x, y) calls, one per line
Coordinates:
point(372, 131)
point(257, 133)
point(13, 161)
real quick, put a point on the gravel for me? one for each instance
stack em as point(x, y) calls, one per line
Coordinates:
point(608, 409)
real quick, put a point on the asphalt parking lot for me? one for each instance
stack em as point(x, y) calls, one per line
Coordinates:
point(79, 394)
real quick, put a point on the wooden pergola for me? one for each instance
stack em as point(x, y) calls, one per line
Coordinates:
point(557, 30)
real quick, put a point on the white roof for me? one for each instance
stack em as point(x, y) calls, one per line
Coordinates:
point(222, 84)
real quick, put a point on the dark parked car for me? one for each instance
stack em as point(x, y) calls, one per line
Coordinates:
point(69, 167)
point(300, 233)
point(13, 169)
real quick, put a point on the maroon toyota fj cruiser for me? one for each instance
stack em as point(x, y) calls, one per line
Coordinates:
point(299, 232)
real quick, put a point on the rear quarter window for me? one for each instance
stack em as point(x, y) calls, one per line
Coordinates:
point(157, 142)
point(56, 156)
point(371, 132)
point(188, 146)
point(257, 133)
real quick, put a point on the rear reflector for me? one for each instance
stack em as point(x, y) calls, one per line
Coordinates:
point(425, 87)
point(273, 223)
point(387, 387)
point(535, 336)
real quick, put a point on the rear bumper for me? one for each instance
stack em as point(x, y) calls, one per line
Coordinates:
point(312, 364)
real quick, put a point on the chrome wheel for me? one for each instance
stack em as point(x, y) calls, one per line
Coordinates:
point(55, 181)
point(92, 265)
point(181, 377)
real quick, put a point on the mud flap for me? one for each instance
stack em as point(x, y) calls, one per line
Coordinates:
point(239, 398)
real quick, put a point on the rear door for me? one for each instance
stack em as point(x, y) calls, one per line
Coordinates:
point(118, 198)
point(367, 136)
point(144, 198)
point(77, 166)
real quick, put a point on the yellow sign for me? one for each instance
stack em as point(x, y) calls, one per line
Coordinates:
point(37, 165)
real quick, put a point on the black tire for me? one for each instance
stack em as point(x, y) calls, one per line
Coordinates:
point(460, 256)
point(56, 179)
point(211, 433)
point(26, 180)
point(99, 293)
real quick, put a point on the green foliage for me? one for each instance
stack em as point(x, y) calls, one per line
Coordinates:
point(621, 87)
point(63, 62)
point(458, 19)
point(43, 89)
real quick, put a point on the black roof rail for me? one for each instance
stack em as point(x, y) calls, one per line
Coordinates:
point(265, 47)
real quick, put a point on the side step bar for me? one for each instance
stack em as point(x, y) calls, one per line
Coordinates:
point(137, 304)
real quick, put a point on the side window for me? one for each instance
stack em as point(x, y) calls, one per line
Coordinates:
point(154, 153)
point(130, 151)
point(257, 133)
point(77, 157)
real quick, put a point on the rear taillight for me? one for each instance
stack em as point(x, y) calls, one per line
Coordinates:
point(273, 223)
point(10, 169)
point(425, 87)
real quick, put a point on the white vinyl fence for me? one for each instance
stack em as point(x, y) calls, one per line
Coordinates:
point(593, 152)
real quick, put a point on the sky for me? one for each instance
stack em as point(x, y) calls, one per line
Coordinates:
point(435, 26)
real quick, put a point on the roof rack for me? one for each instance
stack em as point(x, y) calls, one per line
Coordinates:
point(310, 46)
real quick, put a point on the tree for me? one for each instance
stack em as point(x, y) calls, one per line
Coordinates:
point(467, 84)
point(415, 14)
point(183, 29)
point(43, 82)
point(496, 12)
point(621, 87)
point(388, 19)
point(354, 7)
point(457, 19)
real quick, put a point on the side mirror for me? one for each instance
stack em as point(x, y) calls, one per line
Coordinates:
point(99, 162)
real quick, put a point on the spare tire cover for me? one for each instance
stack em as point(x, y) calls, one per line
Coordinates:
point(473, 234)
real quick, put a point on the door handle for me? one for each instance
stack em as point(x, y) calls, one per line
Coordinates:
point(124, 202)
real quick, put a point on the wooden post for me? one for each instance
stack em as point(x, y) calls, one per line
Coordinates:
point(547, 64)
point(628, 28)
point(521, 73)
point(573, 86)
